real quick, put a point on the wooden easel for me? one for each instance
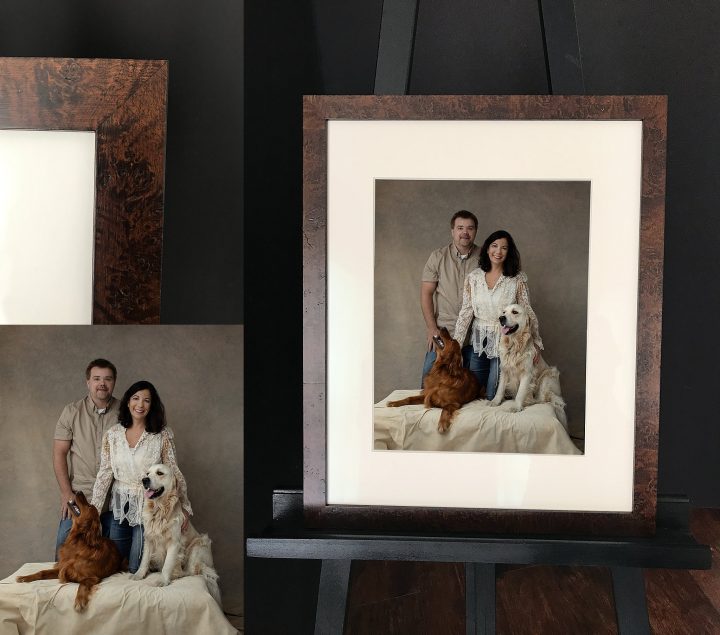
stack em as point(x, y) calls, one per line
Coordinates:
point(672, 546)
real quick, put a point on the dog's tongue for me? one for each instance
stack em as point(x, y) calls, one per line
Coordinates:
point(505, 330)
point(149, 493)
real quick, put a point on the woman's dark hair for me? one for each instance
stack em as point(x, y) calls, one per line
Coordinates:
point(155, 421)
point(511, 265)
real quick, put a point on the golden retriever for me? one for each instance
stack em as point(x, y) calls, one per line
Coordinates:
point(448, 385)
point(86, 557)
point(166, 547)
point(525, 381)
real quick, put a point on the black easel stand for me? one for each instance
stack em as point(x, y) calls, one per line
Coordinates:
point(672, 546)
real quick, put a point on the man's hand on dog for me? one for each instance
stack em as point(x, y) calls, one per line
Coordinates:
point(64, 498)
point(430, 335)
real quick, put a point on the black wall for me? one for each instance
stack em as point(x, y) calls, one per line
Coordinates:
point(202, 280)
point(476, 47)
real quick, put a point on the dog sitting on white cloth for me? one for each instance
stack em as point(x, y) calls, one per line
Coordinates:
point(166, 547)
point(522, 378)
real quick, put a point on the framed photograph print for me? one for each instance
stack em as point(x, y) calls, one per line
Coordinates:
point(82, 163)
point(579, 182)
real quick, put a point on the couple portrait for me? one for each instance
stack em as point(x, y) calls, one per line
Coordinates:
point(135, 443)
point(129, 440)
point(480, 317)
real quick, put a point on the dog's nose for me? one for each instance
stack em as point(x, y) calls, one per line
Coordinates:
point(146, 482)
point(503, 319)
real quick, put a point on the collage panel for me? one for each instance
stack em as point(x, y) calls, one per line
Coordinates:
point(118, 406)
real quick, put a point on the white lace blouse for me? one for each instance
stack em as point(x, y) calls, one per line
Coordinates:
point(128, 466)
point(485, 305)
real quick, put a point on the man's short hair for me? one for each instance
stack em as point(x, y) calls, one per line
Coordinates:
point(100, 363)
point(463, 213)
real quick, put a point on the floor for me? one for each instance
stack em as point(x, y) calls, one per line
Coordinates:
point(399, 598)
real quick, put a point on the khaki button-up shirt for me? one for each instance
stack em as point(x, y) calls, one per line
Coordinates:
point(84, 425)
point(446, 267)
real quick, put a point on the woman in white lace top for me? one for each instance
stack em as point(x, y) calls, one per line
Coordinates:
point(129, 448)
point(488, 290)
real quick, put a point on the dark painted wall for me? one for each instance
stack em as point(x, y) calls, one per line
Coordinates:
point(483, 47)
point(202, 249)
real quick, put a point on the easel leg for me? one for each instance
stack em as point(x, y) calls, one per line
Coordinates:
point(479, 599)
point(630, 603)
point(332, 597)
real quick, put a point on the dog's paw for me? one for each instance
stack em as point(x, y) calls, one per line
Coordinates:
point(513, 407)
point(163, 582)
point(392, 404)
point(137, 576)
point(494, 403)
point(152, 579)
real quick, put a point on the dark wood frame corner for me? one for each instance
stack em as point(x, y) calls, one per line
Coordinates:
point(652, 111)
point(125, 103)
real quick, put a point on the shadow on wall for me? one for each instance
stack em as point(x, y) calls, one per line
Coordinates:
point(198, 371)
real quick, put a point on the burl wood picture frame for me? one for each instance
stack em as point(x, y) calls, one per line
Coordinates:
point(349, 141)
point(124, 102)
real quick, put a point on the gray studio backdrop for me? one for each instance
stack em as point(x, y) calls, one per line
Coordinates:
point(549, 221)
point(198, 371)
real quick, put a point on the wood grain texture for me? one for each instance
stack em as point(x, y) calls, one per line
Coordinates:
point(705, 526)
point(400, 598)
point(652, 111)
point(125, 103)
point(406, 597)
point(688, 602)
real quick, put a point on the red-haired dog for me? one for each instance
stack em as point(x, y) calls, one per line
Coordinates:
point(448, 385)
point(86, 556)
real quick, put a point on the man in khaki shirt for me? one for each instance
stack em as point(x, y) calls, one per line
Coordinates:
point(78, 440)
point(441, 289)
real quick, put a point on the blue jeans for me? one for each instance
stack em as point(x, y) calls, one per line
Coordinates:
point(430, 356)
point(66, 524)
point(486, 371)
point(129, 540)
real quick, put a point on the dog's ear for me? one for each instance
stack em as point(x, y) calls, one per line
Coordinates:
point(453, 356)
point(90, 528)
point(524, 337)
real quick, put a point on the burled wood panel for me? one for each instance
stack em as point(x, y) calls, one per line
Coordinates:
point(125, 103)
point(652, 111)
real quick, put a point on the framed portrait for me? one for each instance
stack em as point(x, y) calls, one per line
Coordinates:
point(82, 163)
point(579, 182)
